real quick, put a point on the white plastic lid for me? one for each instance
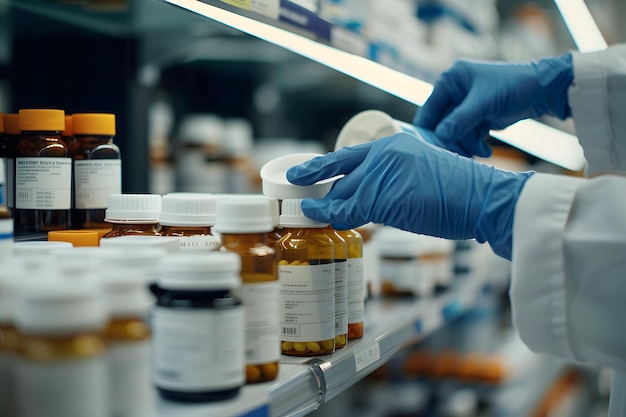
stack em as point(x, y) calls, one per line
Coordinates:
point(10, 274)
point(58, 306)
point(238, 138)
point(169, 243)
point(133, 208)
point(243, 214)
point(276, 185)
point(38, 248)
point(187, 209)
point(366, 126)
point(194, 271)
point(125, 293)
point(292, 215)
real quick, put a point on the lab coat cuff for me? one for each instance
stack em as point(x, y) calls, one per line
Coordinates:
point(588, 99)
point(537, 292)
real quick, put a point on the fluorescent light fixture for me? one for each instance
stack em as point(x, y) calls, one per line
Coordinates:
point(542, 141)
point(581, 26)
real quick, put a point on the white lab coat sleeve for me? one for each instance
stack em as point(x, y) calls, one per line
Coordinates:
point(568, 288)
point(597, 97)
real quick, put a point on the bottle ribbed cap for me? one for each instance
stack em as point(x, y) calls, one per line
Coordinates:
point(206, 271)
point(188, 209)
point(93, 124)
point(133, 208)
point(59, 306)
point(292, 215)
point(41, 120)
point(244, 214)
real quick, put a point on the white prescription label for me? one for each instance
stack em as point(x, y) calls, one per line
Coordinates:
point(262, 321)
point(95, 180)
point(307, 302)
point(130, 378)
point(341, 297)
point(356, 301)
point(43, 183)
point(63, 388)
point(198, 350)
point(365, 356)
point(199, 243)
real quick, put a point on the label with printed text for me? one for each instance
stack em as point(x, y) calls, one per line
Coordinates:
point(95, 180)
point(43, 183)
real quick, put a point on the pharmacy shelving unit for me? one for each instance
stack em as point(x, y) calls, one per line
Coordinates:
point(305, 384)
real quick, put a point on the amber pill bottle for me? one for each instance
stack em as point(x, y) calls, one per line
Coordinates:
point(306, 271)
point(356, 298)
point(189, 217)
point(97, 168)
point(8, 144)
point(244, 223)
point(43, 173)
point(341, 287)
point(133, 215)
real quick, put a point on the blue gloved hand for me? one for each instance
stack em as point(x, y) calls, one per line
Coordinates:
point(404, 182)
point(473, 97)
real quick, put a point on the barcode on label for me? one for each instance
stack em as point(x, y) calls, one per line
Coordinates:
point(23, 195)
point(290, 331)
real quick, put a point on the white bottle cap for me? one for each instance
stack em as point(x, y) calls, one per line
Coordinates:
point(133, 208)
point(169, 243)
point(10, 274)
point(38, 248)
point(366, 126)
point(187, 209)
point(125, 293)
point(292, 215)
point(276, 185)
point(194, 271)
point(242, 214)
point(202, 129)
point(58, 306)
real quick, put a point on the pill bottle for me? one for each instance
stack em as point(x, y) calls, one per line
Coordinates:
point(128, 341)
point(61, 350)
point(6, 220)
point(68, 133)
point(8, 144)
point(37, 248)
point(371, 262)
point(356, 301)
point(43, 173)
point(341, 287)
point(275, 235)
point(133, 214)
point(243, 223)
point(306, 271)
point(404, 272)
point(198, 327)
point(190, 216)
point(97, 167)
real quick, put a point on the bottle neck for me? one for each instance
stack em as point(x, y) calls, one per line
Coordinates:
point(126, 229)
point(185, 230)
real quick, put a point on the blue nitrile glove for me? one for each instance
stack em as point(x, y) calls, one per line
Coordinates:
point(473, 97)
point(404, 182)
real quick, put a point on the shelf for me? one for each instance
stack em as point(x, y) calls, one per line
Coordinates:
point(304, 384)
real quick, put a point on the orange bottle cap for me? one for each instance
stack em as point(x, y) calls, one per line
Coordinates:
point(11, 123)
point(93, 124)
point(41, 120)
point(101, 232)
point(75, 237)
point(68, 126)
point(1, 123)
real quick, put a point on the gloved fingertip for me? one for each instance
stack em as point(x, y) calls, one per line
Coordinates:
point(483, 149)
point(293, 174)
point(314, 209)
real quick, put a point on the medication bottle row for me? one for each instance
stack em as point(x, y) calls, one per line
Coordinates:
point(59, 169)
